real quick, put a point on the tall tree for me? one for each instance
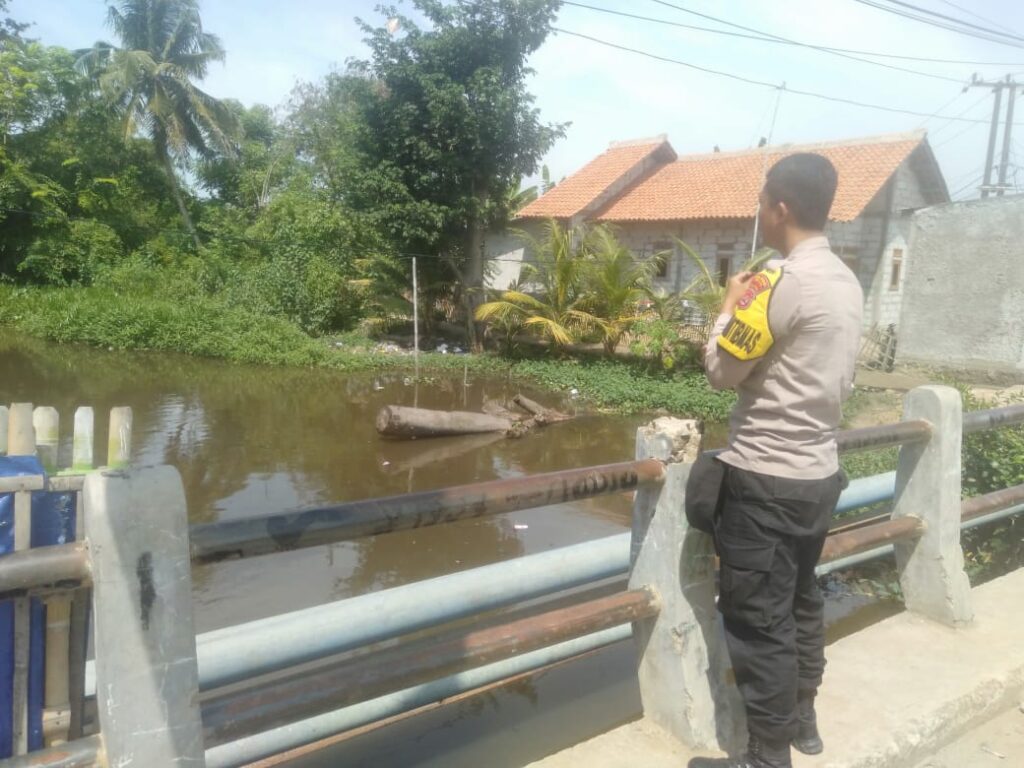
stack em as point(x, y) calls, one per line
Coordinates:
point(447, 125)
point(150, 79)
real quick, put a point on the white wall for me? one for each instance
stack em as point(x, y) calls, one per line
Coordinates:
point(963, 296)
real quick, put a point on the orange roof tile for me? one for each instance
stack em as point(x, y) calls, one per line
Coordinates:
point(725, 185)
point(573, 195)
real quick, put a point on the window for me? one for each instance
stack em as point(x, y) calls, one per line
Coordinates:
point(724, 269)
point(850, 257)
point(664, 250)
point(897, 266)
point(725, 251)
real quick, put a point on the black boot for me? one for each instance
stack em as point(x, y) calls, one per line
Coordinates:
point(760, 754)
point(807, 738)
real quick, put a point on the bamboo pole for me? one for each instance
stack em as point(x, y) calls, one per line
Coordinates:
point(21, 442)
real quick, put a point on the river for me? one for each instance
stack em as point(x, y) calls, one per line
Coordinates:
point(255, 440)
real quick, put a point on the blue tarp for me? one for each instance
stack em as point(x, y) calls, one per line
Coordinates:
point(53, 522)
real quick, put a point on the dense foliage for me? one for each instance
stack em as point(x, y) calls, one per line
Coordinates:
point(118, 171)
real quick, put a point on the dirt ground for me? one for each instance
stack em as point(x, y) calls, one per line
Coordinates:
point(879, 395)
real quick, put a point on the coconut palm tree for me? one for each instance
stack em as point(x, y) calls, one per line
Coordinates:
point(552, 297)
point(150, 80)
point(615, 283)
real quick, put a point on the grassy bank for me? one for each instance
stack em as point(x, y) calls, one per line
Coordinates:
point(103, 318)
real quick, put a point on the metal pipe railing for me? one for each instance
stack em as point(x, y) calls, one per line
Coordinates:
point(234, 653)
point(60, 565)
point(849, 543)
point(278, 740)
point(80, 753)
point(236, 714)
point(353, 520)
point(993, 418)
point(884, 436)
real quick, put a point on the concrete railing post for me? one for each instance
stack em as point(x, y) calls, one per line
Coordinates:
point(683, 665)
point(931, 568)
point(147, 686)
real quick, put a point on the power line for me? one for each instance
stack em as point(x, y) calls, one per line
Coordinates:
point(946, 123)
point(975, 15)
point(956, 136)
point(771, 36)
point(761, 83)
point(763, 37)
point(967, 186)
point(936, 14)
point(941, 25)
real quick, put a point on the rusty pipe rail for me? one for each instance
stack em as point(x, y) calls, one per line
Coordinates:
point(356, 519)
point(80, 753)
point(840, 545)
point(993, 418)
point(58, 566)
point(235, 714)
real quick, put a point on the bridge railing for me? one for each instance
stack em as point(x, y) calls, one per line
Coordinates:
point(282, 683)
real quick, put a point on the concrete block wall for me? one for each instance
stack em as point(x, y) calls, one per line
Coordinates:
point(963, 303)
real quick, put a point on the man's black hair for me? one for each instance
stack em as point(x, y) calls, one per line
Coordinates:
point(806, 183)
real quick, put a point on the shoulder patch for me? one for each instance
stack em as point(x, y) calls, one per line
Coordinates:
point(748, 335)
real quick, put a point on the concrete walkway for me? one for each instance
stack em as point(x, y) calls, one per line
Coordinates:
point(894, 693)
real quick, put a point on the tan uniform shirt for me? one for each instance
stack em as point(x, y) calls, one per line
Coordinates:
point(790, 400)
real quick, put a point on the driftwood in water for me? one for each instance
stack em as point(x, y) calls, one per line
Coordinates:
point(541, 414)
point(401, 421)
point(494, 408)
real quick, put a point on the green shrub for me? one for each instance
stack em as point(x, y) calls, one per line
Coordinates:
point(72, 254)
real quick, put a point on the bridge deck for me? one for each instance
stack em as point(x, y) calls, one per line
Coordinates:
point(894, 693)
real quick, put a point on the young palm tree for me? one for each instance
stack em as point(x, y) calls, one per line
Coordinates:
point(552, 301)
point(616, 282)
point(150, 80)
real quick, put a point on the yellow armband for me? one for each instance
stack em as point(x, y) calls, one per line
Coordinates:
point(748, 335)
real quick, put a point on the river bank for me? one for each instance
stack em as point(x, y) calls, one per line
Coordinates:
point(200, 327)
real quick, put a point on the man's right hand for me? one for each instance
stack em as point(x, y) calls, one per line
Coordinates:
point(734, 291)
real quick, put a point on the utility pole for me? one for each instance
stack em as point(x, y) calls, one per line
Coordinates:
point(998, 87)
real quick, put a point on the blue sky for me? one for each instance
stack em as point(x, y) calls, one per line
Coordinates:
point(610, 95)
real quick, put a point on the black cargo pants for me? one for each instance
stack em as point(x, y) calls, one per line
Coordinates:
point(769, 533)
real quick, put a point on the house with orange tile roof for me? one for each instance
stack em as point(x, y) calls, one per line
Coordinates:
point(651, 196)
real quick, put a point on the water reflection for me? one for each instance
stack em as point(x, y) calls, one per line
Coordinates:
point(252, 441)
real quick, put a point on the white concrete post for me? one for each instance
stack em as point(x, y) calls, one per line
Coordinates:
point(931, 568)
point(46, 421)
point(119, 438)
point(3, 429)
point(147, 685)
point(83, 440)
point(683, 666)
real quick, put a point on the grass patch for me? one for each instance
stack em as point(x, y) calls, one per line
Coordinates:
point(205, 327)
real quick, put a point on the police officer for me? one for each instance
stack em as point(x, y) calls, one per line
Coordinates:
point(786, 341)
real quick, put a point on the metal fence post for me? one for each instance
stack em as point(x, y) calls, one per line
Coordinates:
point(683, 665)
point(931, 568)
point(147, 684)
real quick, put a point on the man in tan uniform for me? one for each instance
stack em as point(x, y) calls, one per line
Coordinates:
point(786, 341)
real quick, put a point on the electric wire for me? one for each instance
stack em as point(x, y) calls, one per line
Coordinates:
point(976, 15)
point(764, 37)
point(953, 19)
point(1011, 41)
point(761, 83)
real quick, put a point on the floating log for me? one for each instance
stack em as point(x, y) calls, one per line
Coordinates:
point(539, 412)
point(400, 421)
point(494, 408)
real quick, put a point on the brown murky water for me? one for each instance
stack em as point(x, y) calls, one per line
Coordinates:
point(251, 440)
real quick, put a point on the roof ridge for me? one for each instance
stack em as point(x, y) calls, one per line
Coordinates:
point(661, 138)
point(882, 138)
